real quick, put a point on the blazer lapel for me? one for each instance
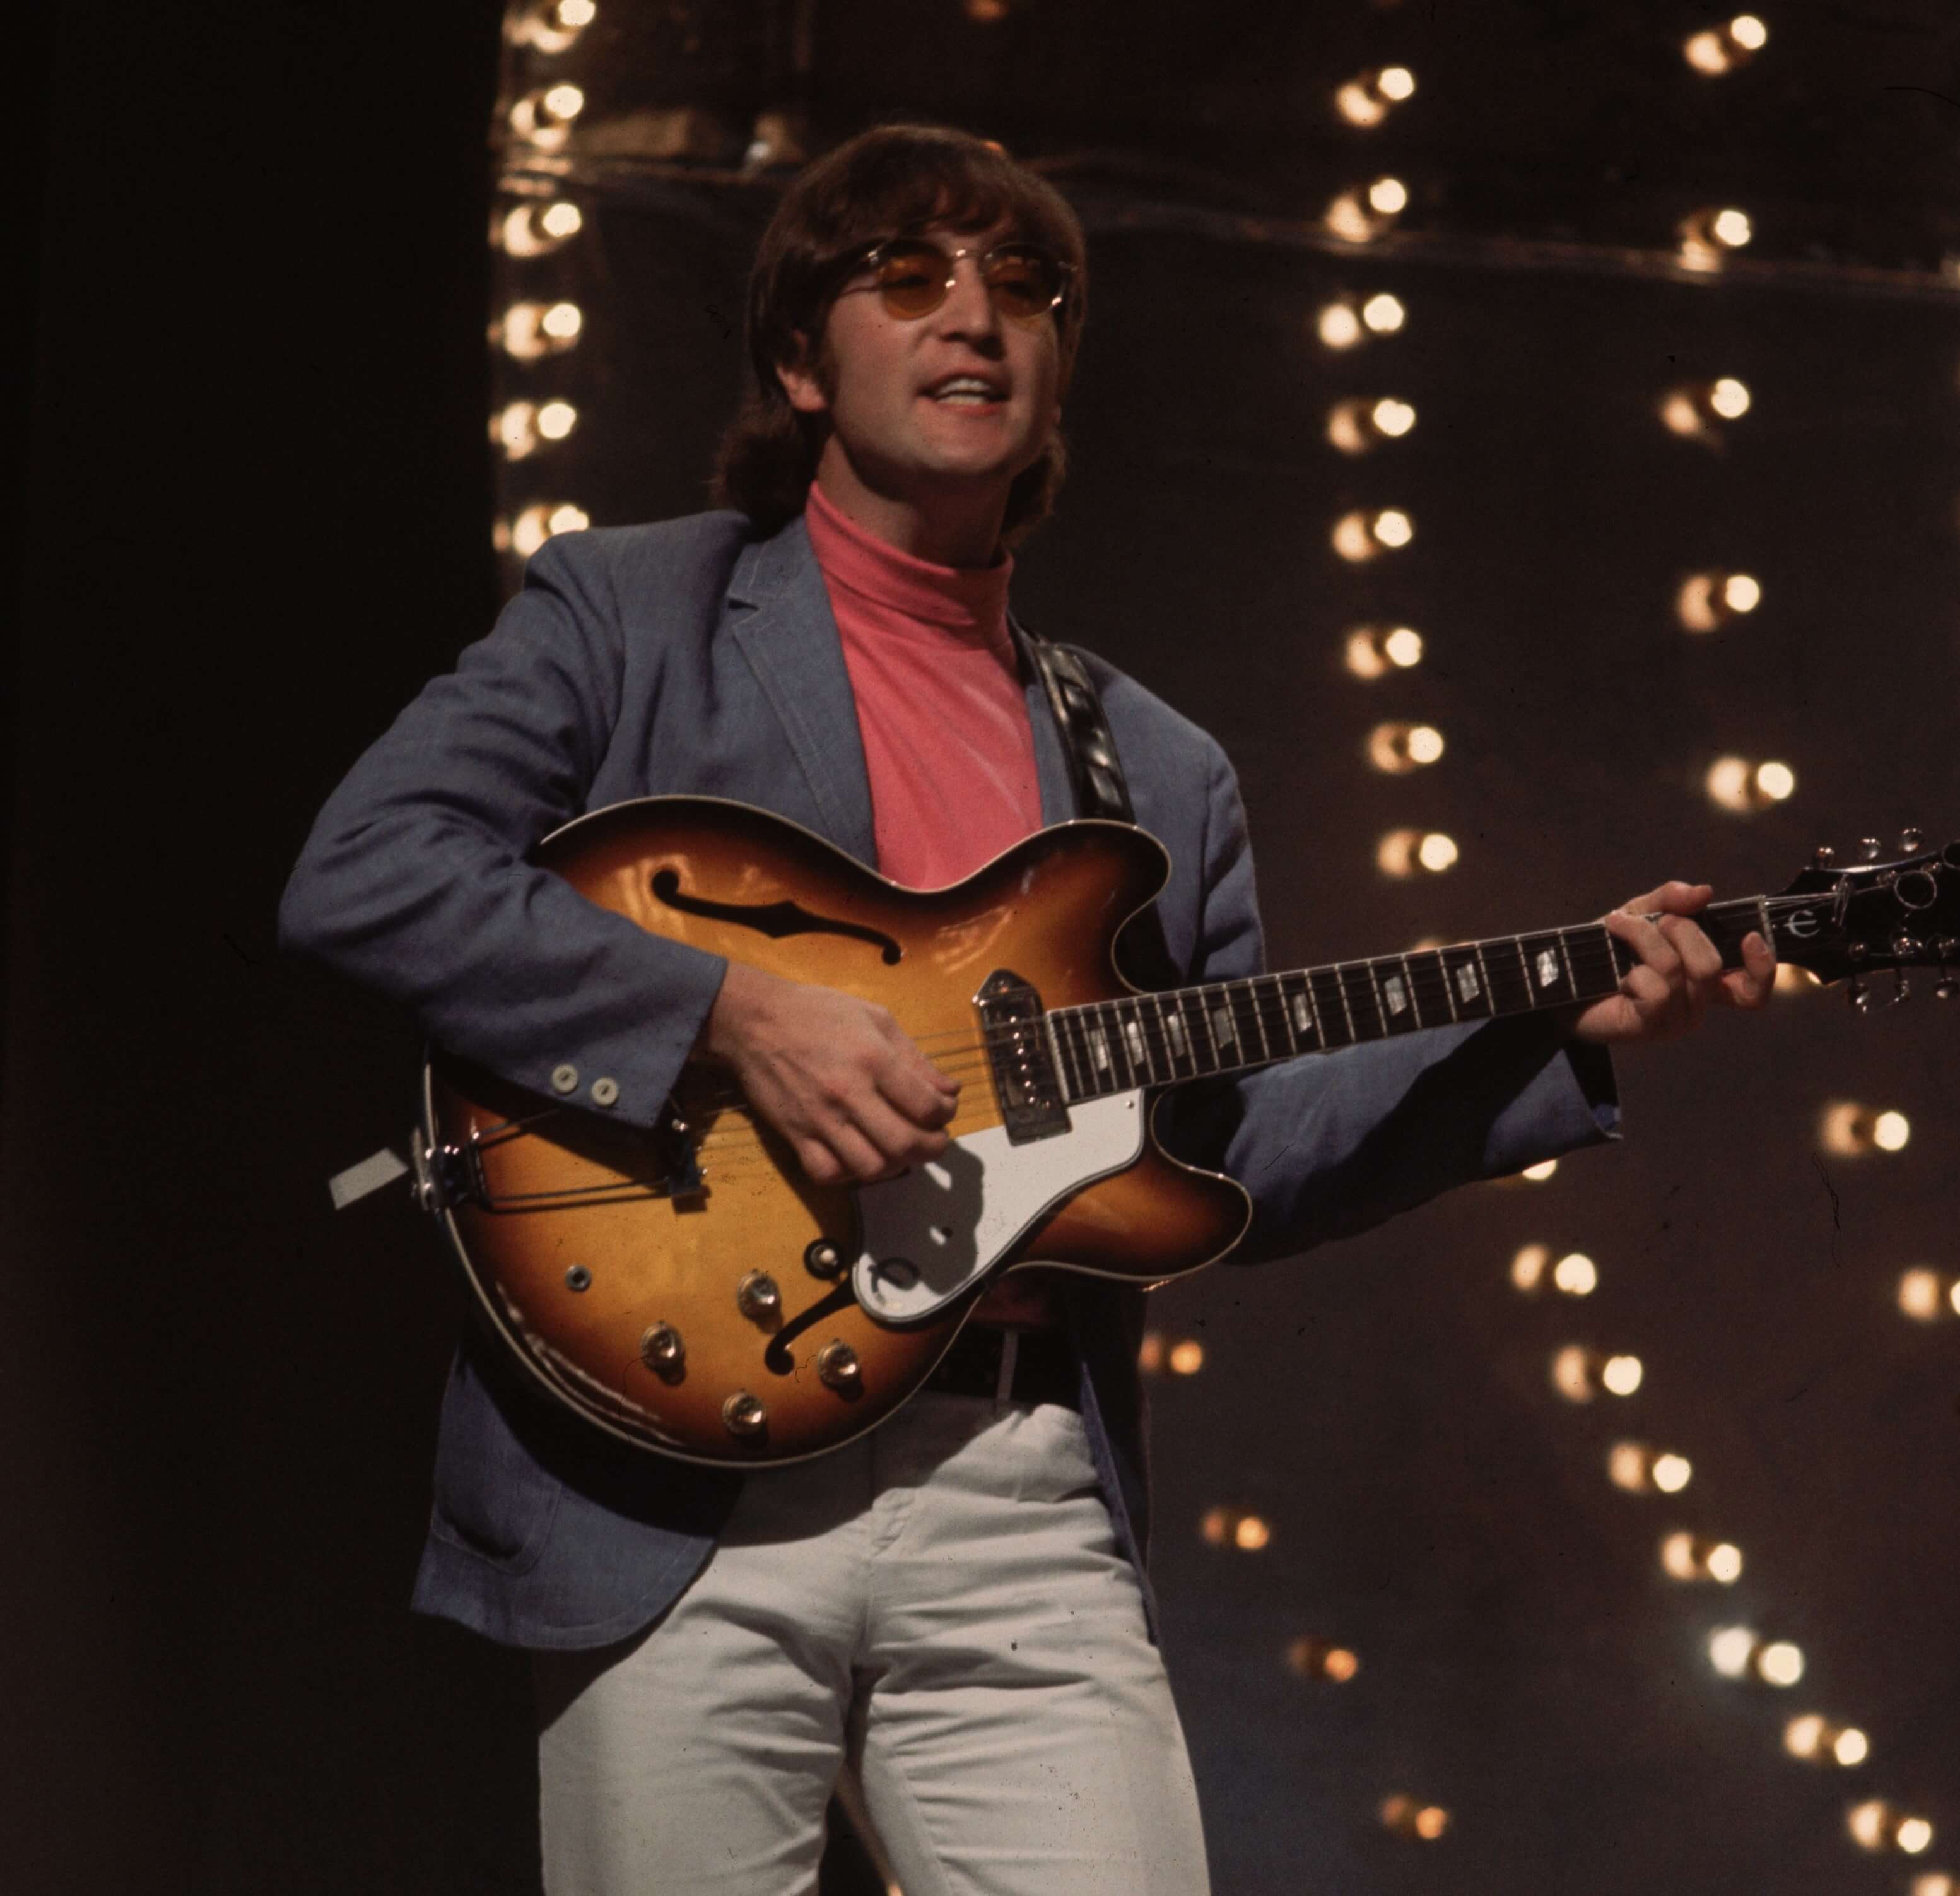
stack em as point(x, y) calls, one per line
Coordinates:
point(783, 623)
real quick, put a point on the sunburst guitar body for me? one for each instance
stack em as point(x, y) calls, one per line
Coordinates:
point(690, 1289)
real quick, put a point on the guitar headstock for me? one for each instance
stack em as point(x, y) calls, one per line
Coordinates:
point(1847, 922)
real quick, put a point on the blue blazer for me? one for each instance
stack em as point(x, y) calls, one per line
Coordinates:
point(690, 656)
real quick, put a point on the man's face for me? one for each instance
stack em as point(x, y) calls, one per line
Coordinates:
point(961, 398)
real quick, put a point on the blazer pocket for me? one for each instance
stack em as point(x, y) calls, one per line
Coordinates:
point(493, 1499)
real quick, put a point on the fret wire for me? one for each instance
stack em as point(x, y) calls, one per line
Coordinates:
point(1449, 986)
point(1483, 968)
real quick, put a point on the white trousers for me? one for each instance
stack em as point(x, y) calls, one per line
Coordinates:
point(944, 1604)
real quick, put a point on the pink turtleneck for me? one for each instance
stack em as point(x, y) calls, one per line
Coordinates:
point(947, 748)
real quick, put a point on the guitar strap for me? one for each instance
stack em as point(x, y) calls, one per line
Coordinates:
point(1096, 772)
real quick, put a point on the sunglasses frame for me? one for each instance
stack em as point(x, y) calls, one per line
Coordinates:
point(870, 259)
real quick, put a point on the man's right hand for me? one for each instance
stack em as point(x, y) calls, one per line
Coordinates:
point(838, 1077)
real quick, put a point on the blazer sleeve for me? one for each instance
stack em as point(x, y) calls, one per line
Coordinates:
point(415, 882)
point(1329, 1144)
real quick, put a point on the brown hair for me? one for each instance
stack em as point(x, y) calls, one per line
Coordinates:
point(891, 180)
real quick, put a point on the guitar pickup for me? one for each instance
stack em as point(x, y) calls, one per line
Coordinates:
point(1013, 1029)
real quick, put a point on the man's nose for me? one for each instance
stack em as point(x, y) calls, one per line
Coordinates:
point(969, 309)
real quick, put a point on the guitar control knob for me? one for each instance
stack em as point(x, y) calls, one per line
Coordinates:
point(745, 1417)
point(758, 1298)
point(663, 1351)
point(822, 1259)
point(838, 1367)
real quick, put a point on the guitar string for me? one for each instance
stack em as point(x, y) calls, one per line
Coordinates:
point(1429, 983)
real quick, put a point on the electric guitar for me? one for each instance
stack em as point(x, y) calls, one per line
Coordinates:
point(692, 1292)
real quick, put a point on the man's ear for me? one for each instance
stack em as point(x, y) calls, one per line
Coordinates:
point(800, 381)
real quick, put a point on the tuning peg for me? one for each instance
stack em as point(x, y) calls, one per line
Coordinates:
point(1859, 993)
point(1901, 987)
point(1824, 857)
point(1948, 986)
point(1910, 837)
point(1869, 847)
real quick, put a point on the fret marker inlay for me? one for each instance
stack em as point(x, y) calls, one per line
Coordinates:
point(1547, 968)
point(1223, 1031)
point(1397, 994)
point(1174, 1028)
point(1468, 986)
point(1099, 1045)
point(1134, 1035)
point(1302, 1015)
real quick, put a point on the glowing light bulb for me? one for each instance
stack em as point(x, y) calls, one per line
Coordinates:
point(556, 419)
point(1540, 1172)
point(1740, 592)
point(1781, 1664)
point(538, 523)
point(1383, 314)
point(1373, 652)
point(1575, 1274)
point(536, 230)
point(1913, 1835)
point(1314, 1658)
point(1339, 327)
point(1707, 236)
point(1694, 409)
point(1150, 1352)
point(1730, 1648)
point(530, 331)
point(1392, 418)
point(1748, 32)
point(1410, 1817)
point(1528, 1265)
point(1187, 1358)
point(1890, 1131)
point(1671, 1473)
point(1919, 1295)
point(1234, 1528)
point(1436, 853)
point(1388, 196)
point(1716, 50)
point(543, 119)
point(1850, 1747)
point(1688, 1557)
point(1736, 784)
point(1355, 426)
point(1729, 398)
point(1361, 535)
point(1639, 1470)
point(1397, 749)
point(1621, 1375)
point(1395, 82)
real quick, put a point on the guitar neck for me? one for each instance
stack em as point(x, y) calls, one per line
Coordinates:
point(1228, 1027)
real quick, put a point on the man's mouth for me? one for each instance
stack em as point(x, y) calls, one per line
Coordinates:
point(965, 391)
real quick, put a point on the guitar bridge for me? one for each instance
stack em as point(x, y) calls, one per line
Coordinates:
point(1021, 1058)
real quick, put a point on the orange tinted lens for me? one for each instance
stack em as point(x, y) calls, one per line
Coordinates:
point(911, 279)
point(1022, 283)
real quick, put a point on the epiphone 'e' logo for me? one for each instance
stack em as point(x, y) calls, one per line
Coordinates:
point(1801, 922)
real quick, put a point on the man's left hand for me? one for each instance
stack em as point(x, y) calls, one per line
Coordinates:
point(1679, 972)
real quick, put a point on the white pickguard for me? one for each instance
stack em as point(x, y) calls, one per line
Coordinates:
point(930, 1235)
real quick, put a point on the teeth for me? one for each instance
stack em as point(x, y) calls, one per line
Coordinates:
point(963, 388)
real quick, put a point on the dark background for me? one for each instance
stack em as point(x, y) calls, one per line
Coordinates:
point(255, 515)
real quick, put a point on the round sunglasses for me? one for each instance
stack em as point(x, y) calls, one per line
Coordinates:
point(913, 276)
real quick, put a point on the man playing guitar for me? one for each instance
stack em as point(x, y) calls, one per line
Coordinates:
point(954, 1602)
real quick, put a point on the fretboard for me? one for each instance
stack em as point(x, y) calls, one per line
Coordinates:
point(1224, 1026)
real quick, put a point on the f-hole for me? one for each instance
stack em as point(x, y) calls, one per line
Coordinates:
point(775, 920)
